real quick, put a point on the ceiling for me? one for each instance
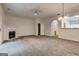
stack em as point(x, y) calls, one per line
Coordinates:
point(71, 8)
point(46, 10)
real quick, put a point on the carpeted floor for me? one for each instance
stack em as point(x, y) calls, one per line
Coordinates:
point(41, 46)
point(52, 46)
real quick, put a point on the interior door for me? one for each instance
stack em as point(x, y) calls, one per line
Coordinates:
point(42, 29)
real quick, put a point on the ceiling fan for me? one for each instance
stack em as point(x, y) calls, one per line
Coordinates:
point(36, 12)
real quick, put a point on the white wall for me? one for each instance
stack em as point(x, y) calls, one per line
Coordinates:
point(23, 26)
point(47, 27)
point(42, 29)
point(2, 24)
point(70, 34)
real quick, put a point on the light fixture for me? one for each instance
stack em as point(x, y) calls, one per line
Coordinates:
point(60, 18)
point(65, 17)
point(36, 12)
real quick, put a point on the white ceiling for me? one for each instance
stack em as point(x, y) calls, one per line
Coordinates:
point(71, 8)
point(46, 10)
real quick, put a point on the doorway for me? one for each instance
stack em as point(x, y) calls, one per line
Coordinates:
point(54, 28)
point(39, 28)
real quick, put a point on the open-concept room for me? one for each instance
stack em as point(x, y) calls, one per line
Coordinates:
point(39, 29)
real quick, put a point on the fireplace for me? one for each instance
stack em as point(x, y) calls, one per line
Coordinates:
point(12, 34)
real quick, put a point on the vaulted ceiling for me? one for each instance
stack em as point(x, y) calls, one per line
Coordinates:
point(46, 10)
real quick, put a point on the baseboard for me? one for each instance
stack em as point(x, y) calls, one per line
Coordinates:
point(26, 36)
point(69, 40)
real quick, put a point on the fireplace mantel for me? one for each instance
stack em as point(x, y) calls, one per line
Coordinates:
point(9, 30)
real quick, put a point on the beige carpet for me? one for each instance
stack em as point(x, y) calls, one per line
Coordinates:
point(51, 46)
point(40, 46)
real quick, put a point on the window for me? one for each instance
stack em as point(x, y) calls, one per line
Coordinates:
point(70, 22)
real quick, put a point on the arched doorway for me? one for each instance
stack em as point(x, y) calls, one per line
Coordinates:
point(54, 28)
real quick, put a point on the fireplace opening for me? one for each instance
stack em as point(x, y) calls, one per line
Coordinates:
point(12, 34)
